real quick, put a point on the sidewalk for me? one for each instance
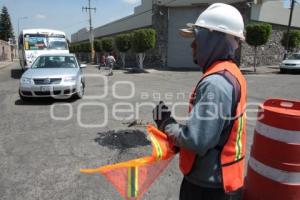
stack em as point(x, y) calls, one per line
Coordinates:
point(272, 69)
point(4, 64)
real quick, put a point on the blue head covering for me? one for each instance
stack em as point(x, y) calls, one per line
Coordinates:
point(213, 46)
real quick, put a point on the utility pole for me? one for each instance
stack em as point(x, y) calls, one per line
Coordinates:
point(89, 10)
point(19, 19)
point(289, 26)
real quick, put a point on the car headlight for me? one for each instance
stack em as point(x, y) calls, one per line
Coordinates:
point(25, 80)
point(70, 79)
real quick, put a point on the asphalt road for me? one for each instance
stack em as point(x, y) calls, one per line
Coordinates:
point(44, 143)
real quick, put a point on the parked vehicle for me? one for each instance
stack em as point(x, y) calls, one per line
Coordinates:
point(292, 62)
point(58, 76)
point(35, 42)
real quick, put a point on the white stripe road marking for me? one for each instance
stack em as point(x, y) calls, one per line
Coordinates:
point(282, 135)
point(275, 174)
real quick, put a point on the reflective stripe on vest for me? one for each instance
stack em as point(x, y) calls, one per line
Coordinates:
point(238, 143)
point(233, 152)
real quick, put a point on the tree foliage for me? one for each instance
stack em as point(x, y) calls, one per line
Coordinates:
point(72, 48)
point(107, 44)
point(98, 46)
point(123, 42)
point(294, 39)
point(6, 29)
point(85, 47)
point(143, 40)
point(258, 33)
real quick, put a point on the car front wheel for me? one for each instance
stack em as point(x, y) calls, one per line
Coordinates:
point(80, 92)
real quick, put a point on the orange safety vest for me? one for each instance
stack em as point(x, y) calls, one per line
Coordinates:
point(233, 152)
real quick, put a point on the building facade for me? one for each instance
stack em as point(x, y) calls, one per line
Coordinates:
point(167, 16)
point(7, 51)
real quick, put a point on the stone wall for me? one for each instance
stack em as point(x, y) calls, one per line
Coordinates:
point(7, 52)
point(269, 54)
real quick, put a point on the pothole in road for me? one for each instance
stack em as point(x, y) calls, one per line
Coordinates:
point(122, 139)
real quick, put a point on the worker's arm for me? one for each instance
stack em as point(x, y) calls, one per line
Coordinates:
point(205, 124)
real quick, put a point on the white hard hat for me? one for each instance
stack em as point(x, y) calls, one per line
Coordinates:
point(218, 17)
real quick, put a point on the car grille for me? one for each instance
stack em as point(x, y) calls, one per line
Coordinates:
point(47, 81)
point(48, 93)
point(26, 93)
point(287, 64)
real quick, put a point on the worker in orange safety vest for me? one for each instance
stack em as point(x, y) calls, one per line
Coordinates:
point(212, 143)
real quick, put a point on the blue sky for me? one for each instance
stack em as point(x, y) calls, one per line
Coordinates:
point(65, 15)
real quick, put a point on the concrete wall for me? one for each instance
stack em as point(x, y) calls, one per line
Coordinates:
point(179, 50)
point(141, 18)
point(274, 12)
point(7, 52)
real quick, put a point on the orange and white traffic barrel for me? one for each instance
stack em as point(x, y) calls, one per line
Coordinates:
point(274, 164)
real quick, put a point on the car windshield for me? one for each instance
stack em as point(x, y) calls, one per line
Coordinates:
point(295, 56)
point(55, 62)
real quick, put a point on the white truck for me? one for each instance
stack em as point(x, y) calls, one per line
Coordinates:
point(35, 42)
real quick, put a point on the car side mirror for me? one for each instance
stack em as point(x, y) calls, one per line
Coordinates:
point(83, 66)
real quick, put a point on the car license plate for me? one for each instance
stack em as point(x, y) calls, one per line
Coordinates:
point(45, 89)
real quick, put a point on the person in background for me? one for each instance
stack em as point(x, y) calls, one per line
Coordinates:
point(110, 60)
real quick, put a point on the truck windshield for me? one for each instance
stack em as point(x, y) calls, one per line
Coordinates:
point(45, 42)
point(35, 42)
point(58, 43)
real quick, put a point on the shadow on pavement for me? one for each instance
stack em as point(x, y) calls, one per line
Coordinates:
point(122, 140)
point(16, 73)
point(251, 72)
point(42, 101)
point(135, 71)
point(292, 72)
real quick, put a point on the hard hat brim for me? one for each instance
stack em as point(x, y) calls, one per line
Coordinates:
point(187, 32)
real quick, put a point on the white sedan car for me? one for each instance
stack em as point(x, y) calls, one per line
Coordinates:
point(292, 62)
point(58, 76)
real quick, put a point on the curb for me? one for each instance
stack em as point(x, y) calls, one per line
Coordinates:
point(6, 64)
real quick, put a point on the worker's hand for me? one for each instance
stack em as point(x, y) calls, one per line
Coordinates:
point(161, 115)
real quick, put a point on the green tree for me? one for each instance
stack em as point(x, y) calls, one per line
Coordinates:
point(294, 39)
point(107, 44)
point(98, 49)
point(142, 41)
point(123, 44)
point(6, 29)
point(85, 47)
point(97, 46)
point(72, 48)
point(77, 47)
point(257, 34)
